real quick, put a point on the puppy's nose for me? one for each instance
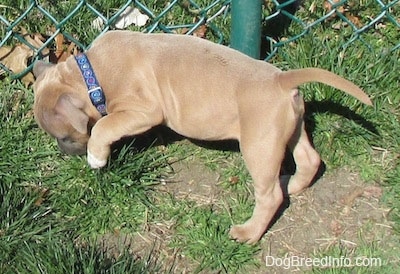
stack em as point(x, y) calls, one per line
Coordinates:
point(71, 148)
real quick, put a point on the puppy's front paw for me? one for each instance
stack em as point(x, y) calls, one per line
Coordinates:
point(94, 162)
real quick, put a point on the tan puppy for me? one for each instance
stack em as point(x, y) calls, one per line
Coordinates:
point(197, 88)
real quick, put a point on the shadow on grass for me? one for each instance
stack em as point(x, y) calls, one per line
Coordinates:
point(313, 107)
point(162, 135)
point(159, 135)
point(276, 26)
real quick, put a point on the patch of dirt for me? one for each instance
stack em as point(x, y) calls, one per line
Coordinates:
point(339, 210)
point(191, 181)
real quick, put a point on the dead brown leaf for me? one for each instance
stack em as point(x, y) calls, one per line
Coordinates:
point(200, 31)
point(372, 192)
point(366, 192)
point(328, 6)
point(40, 191)
point(354, 19)
point(42, 195)
point(63, 50)
point(37, 40)
point(341, 9)
point(352, 196)
point(16, 58)
point(233, 180)
point(336, 228)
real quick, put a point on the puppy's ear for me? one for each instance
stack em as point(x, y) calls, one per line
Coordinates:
point(39, 67)
point(71, 109)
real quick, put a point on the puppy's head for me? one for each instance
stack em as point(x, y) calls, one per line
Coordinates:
point(59, 108)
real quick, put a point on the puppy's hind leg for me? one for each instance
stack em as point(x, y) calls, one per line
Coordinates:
point(306, 158)
point(263, 159)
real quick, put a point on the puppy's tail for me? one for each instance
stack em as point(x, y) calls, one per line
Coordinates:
point(293, 78)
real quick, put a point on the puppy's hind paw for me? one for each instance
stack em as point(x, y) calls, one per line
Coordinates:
point(245, 234)
point(94, 162)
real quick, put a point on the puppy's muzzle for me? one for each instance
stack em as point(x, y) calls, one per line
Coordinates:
point(71, 147)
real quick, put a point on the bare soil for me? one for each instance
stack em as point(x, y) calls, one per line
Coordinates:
point(339, 210)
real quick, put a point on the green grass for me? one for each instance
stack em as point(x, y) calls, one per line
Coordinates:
point(345, 132)
point(43, 211)
point(53, 208)
point(202, 231)
point(180, 18)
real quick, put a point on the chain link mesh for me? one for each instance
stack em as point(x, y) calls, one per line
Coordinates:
point(207, 18)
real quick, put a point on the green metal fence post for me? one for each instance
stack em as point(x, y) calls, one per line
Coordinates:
point(246, 27)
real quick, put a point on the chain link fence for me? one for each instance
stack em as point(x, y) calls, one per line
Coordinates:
point(33, 29)
point(375, 23)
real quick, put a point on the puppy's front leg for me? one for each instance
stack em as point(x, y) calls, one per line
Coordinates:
point(113, 127)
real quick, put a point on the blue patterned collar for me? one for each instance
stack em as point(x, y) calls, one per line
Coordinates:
point(95, 91)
